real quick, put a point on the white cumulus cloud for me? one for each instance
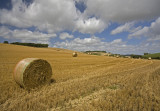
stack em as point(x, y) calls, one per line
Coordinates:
point(152, 31)
point(123, 10)
point(91, 25)
point(25, 35)
point(116, 46)
point(126, 27)
point(65, 35)
point(92, 43)
point(58, 15)
point(46, 15)
point(116, 41)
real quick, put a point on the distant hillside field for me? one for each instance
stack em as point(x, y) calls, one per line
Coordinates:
point(83, 83)
point(153, 56)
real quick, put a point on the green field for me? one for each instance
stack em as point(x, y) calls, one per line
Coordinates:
point(153, 56)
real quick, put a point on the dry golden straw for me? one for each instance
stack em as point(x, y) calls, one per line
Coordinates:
point(75, 54)
point(30, 73)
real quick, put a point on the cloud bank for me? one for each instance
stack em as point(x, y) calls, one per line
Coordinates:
point(152, 32)
point(126, 27)
point(116, 46)
point(51, 17)
point(25, 35)
point(123, 10)
point(65, 35)
point(59, 15)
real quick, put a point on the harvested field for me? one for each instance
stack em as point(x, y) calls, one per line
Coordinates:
point(84, 83)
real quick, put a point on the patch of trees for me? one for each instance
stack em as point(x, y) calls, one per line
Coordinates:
point(136, 56)
point(156, 58)
point(30, 44)
point(5, 42)
point(146, 53)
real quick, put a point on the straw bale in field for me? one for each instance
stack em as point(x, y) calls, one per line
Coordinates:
point(75, 54)
point(149, 58)
point(30, 73)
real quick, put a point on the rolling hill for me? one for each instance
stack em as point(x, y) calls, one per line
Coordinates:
point(83, 83)
point(153, 56)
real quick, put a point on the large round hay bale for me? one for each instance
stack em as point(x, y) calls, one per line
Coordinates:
point(117, 56)
point(149, 58)
point(75, 54)
point(30, 73)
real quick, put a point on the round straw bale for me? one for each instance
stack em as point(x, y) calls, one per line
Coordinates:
point(149, 58)
point(75, 54)
point(30, 73)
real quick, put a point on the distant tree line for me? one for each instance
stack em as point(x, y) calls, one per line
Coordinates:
point(5, 42)
point(27, 44)
point(146, 53)
point(30, 44)
point(136, 56)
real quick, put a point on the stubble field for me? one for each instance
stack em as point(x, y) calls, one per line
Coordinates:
point(83, 83)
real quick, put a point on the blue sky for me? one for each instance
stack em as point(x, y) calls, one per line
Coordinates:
point(124, 27)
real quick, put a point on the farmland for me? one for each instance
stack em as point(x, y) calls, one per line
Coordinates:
point(83, 83)
point(153, 56)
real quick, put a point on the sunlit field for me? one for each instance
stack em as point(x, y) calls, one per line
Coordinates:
point(83, 83)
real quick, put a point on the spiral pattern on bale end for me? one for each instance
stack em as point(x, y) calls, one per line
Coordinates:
point(30, 73)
